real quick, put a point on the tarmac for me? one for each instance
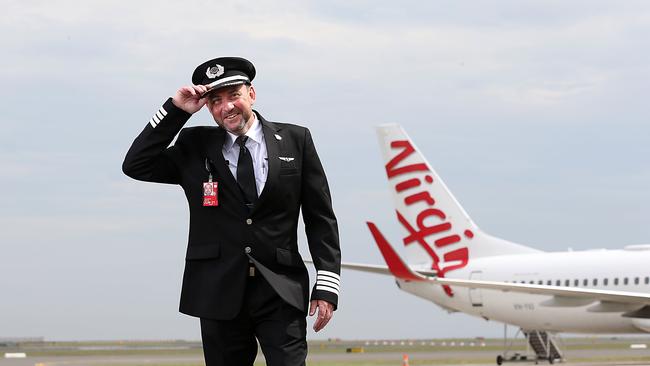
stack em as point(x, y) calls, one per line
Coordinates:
point(198, 360)
point(602, 352)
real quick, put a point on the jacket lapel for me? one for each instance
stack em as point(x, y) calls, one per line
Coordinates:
point(270, 131)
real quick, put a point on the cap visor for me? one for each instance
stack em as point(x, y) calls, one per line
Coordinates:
point(219, 86)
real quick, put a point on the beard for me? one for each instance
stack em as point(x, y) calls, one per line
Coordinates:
point(237, 126)
point(234, 128)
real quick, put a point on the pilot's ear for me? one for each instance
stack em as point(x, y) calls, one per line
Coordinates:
point(251, 93)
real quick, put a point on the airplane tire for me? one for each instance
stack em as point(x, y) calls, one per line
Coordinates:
point(499, 360)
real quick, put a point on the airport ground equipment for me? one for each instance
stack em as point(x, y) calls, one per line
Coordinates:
point(544, 346)
point(540, 346)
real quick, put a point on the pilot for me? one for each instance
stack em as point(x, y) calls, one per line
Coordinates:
point(244, 277)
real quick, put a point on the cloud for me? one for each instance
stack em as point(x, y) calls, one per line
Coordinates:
point(547, 92)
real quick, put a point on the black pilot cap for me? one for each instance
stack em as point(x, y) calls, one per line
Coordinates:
point(223, 71)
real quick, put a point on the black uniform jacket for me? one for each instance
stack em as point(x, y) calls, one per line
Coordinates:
point(224, 239)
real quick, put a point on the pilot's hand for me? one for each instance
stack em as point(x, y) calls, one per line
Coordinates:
point(325, 312)
point(188, 98)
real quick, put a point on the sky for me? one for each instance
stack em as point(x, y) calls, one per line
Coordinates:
point(535, 114)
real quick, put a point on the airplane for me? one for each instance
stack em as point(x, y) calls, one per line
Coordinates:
point(453, 263)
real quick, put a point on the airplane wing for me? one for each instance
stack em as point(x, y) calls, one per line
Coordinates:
point(371, 268)
point(376, 268)
point(562, 296)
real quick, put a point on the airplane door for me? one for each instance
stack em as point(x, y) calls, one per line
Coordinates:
point(475, 295)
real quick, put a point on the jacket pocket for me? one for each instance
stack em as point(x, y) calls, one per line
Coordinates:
point(203, 251)
point(288, 258)
point(288, 171)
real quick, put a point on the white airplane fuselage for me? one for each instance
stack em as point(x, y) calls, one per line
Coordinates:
point(618, 270)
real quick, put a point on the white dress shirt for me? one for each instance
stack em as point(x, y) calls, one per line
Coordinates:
point(257, 147)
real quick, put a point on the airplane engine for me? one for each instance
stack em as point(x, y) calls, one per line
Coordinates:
point(643, 324)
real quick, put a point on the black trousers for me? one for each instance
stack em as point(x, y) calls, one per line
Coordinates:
point(280, 329)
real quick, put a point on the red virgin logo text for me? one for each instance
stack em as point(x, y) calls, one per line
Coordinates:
point(440, 241)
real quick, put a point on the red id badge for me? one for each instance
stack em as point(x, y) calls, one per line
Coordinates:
point(210, 194)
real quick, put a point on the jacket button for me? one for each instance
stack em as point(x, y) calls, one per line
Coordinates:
point(247, 250)
point(249, 221)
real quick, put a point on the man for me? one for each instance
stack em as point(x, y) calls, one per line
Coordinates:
point(245, 182)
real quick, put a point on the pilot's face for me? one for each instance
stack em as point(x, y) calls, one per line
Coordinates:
point(232, 107)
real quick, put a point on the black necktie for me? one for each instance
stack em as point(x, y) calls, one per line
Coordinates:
point(245, 173)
